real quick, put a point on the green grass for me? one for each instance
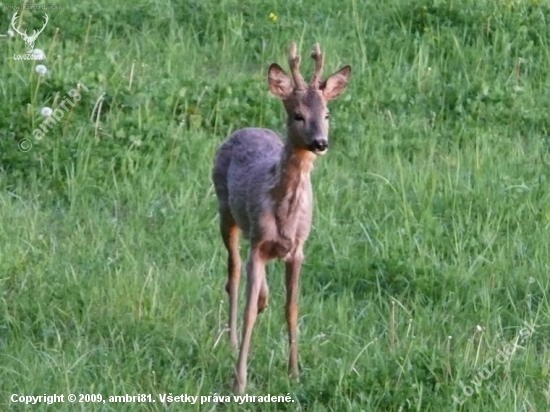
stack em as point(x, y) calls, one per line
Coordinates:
point(432, 209)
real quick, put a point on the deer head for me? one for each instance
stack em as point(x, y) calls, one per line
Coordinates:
point(306, 104)
point(32, 38)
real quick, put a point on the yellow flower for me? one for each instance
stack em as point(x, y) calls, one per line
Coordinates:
point(273, 17)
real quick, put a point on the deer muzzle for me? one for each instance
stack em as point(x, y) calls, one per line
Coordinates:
point(319, 146)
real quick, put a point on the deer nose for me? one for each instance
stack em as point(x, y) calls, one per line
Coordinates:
point(320, 145)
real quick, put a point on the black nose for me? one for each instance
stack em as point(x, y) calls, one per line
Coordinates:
point(320, 144)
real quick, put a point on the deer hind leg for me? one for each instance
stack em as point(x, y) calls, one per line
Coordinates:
point(263, 296)
point(230, 235)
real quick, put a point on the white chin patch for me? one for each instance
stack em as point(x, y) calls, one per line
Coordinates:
point(321, 152)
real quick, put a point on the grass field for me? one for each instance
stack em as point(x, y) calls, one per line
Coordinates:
point(429, 250)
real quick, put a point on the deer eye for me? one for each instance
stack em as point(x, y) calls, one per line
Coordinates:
point(327, 116)
point(298, 117)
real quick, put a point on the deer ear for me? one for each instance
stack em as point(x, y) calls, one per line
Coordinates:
point(336, 83)
point(279, 82)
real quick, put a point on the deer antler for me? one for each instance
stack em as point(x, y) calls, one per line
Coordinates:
point(35, 33)
point(319, 60)
point(294, 63)
point(15, 28)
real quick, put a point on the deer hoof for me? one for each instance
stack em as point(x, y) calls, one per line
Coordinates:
point(238, 387)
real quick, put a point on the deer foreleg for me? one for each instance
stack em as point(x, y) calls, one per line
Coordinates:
point(293, 267)
point(255, 270)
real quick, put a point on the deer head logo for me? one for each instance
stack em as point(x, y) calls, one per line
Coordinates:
point(32, 38)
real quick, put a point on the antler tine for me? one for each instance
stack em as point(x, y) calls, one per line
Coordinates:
point(319, 60)
point(13, 19)
point(46, 19)
point(294, 63)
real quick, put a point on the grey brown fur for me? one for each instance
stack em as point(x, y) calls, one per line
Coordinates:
point(264, 191)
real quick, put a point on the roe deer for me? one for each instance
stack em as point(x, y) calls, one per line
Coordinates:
point(264, 190)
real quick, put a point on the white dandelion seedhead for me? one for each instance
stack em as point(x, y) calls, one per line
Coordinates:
point(39, 53)
point(46, 112)
point(10, 33)
point(41, 69)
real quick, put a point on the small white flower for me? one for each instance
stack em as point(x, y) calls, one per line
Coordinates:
point(46, 112)
point(39, 53)
point(41, 69)
point(479, 328)
point(518, 89)
point(10, 33)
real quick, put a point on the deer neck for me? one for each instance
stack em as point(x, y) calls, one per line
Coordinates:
point(293, 172)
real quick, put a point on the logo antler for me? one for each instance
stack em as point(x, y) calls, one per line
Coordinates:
point(24, 35)
point(32, 38)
